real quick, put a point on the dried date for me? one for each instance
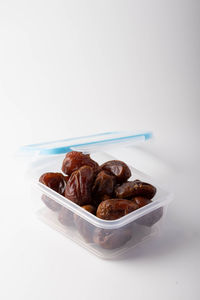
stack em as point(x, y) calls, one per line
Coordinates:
point(74, 160)
point(79, 186)
point(66, 178)
point(141, 201)
point(89, 208)
point(55, 181)
point(112, 239)
point(118, 169)
point(103, 185)
point(135, 188)
point(113, 209)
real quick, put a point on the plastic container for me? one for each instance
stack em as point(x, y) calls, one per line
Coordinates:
point(106, 239)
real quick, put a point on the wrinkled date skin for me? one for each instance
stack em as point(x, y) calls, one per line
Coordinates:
point(113, 209)
point(74, 160)
point(151, 218)
point(135, 188)
point(141, 201)
point(55, 181)
point(50, 203)
point(66, 178)
point(103, 185)
point(112, 239)
point(79, 186)
point(65, 217)
point(118, 169)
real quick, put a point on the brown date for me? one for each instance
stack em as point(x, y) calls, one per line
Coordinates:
point(113, 209)
point(89, 208)
point(118, 169)
point(79, 186)
point(74, 160)
point(66, 178)
point(112, 239)
point(103, 184)
point(55, 181)
point(141, 201)
point(65, 216)
point(135, 188)
point(50, 203)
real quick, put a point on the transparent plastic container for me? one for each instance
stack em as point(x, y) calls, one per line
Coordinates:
point(106, 239)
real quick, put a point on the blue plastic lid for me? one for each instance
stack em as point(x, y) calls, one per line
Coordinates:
point(89, 143)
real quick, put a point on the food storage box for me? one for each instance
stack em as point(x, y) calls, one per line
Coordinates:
point(106, 239)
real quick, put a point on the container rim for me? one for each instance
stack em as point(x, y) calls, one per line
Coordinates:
point(97, 222)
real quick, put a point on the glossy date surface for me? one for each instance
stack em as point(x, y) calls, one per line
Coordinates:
point(103, 184)
point(135, 188)
point(141, 201)
point(79, 186)
point(55, 181)
point(101, 190)
point(113, 209)
point(118, 169)
point(74, 160)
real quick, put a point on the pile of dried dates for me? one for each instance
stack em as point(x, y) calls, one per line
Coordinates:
point(103, 191)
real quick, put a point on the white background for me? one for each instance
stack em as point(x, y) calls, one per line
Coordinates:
point(70, 68)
